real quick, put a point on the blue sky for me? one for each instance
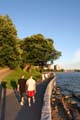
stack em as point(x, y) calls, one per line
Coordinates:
point(56, 19)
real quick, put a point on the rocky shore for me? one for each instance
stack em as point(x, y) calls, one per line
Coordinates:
point(65, 107)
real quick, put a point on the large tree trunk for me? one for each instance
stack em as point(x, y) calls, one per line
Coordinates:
point(27, 67)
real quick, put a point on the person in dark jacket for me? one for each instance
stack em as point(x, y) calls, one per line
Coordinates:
point(22, 88)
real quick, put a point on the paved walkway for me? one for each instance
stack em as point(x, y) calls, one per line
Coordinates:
point(11, 110)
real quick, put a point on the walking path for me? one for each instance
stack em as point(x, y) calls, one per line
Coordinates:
point(11, 110)
point(4, 72)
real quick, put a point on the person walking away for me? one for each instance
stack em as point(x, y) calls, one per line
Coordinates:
point(31, 89)
point(22, 88)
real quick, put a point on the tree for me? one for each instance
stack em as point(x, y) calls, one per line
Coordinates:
point(38, 50)
point(8, 41)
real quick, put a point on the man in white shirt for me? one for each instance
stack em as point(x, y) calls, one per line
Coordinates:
point(31, 89)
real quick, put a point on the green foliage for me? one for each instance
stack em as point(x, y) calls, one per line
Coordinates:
point(34, 50)
point(8, 31)
point(8, 42)
point(14, 76)
point(11, 80)
point(37, 48)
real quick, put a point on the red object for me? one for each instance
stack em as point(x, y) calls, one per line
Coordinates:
point(31, 93)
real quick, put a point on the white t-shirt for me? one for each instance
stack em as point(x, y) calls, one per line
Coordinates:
point(31, 84)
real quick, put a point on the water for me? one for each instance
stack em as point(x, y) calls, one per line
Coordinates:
point(69, 82)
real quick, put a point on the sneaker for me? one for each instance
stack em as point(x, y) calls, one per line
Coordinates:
point(33, 100)
point(23, 100)
point(29, 104)
point(21, 103)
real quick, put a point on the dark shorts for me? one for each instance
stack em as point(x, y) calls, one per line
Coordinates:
point(22, 93)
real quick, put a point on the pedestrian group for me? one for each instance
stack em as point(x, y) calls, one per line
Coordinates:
point(29, 87)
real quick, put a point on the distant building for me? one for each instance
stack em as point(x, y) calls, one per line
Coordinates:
point(57, 67)
point(49, 66)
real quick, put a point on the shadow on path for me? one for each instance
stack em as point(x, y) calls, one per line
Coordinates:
point(2, 101)
point(11, 110)
point(0, 94)
point(34, 112)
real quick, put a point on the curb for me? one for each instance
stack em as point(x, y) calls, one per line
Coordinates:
point(46, 108)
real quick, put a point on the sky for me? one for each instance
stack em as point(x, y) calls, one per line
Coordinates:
point(55, 19)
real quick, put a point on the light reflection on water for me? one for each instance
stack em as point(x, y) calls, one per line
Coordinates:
point(68, 81)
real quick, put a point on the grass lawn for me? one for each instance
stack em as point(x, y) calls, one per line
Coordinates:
point(11, 80)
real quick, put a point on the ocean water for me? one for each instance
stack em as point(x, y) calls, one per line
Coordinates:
point(69, 82)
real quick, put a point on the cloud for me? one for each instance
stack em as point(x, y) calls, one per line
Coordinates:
point(77, 55)
point(73, 63)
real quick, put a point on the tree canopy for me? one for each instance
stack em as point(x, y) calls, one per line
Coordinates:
point(37, 48)
point(34, 50)
point(8, 41)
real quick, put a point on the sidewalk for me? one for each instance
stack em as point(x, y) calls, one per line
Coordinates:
point(9, 105)
point(11, 110)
